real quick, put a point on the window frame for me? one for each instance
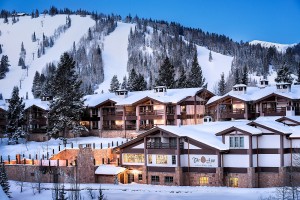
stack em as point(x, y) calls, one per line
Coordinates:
point(204, 180)
point(169, 179)
point(236, 142)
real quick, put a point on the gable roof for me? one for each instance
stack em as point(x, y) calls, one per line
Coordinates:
point(36, 102)
point(273, 126)
point(295, 119)
point(248, 130)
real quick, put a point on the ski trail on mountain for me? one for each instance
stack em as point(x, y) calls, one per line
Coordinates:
point(115, 55)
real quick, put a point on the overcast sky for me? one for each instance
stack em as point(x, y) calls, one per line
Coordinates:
point(247, 20)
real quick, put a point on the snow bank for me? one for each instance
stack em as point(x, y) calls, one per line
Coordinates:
point(2, 195)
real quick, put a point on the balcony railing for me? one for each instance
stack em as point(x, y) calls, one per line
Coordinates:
point(112, 113)
point(112, 127)
point(148, 126)
point(160, 145)
point(274, 111)
point(130, 127)
point(152, 112)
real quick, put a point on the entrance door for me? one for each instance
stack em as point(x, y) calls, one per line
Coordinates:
point(130, 178)
point(233, 182)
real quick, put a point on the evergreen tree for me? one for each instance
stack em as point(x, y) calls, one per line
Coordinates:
point(236, 76)
point(298, 73)
point(68, 104)
point(166, 75)
point(141, 83)
point(182, 82)
point(1, 97)
point(5, 19)
point(101, 195)
point(23, 51)
point(210, 58)
point(221, 85)
point(33, 37)
point(0, 49)
point(283, 75)
point(21, 63)
point(15, 114)
point(90, 34)
point(37, 14)
point(132, 80)
point(124, 85)
point(114, 84)
point(36, 85)
point(245, 76)
point(4, 181)
point(4, 66)
point(62, 193)
point(196, 78)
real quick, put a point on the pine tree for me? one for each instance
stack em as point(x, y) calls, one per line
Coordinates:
point(114, 84)
point(21, 62)
point(221, 85)
point(245, 76)
point(5, 19)
point(166, 75)
point(15, 114)
point(90, 34)
point(236, 76)
point(36, 85)
point(4, 181)
point(182, 82)
point(68, 104)
point(141, 83)
point(0, 49)
point(101, 195)
point(62, 193)
point(23, 51)
point(37, 14)
point(283, 75)
point(210, 58)
point(1, 97)
point(196, 78)
point(132, 80)
point(298, 73)
point(4, 66)
point(124, 84)
point(33, 37)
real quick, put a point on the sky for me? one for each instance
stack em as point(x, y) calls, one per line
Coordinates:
point(247, 20)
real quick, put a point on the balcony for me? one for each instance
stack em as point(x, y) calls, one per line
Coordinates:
point(148, 126)
point(130, 127)
point(237, 113)
point(160, 145)
point(112, 113)
point(279, 111)
point(112, 127)
point(151, 114)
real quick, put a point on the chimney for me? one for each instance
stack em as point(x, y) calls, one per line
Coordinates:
point(121, 93)
point(160, 90)
point(239, 89)
point(283, 87)
point(263, 83)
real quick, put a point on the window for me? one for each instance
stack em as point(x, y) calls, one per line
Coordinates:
point(173, 142)
point(140, 177)
point(130, 178)
point(95, 111)
point(133, 158)
point(168, 179)
point(173, 160)
point(203, 180)
point(95, 124)
point(236, 141)
point(154, 179)
point(149, 159)
point(233, 182)
point(161, 159)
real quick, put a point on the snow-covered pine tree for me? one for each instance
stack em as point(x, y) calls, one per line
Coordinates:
point(1, 97)
point(4, 66)
point(15, 114)
point(166, 75)
point(21, 63)
point(114, 84)
point(68, 103)
point(124, 84)
point(283, 75)
point(221, 85)
point(4, 181)
point(37, 14)
point(196, 78)
point(23, 51)
point(298, 73)
point(36, 85)
point(210, 58)
point(33, 37)
point(236, 76)
point(141, 83)
point(244, 79)
point(0, 48)
point(182, 82)
point(132, 80)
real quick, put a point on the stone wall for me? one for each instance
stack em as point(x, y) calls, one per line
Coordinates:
point(193, 179)
point(116, 133)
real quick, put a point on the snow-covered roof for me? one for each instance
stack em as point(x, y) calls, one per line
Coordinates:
point(256, 93)
point(294, 118)
point(109, 170)
point(37, 102)
point(276, 126)
point(250, 129)
point(268, 118)
point(240, 85)
point(171, 96)
point(296, 132)
point(3, 105)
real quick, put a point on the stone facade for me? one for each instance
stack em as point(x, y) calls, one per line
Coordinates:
point(193, 179)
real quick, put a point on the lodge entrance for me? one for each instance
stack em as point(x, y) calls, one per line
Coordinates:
point(130, 178)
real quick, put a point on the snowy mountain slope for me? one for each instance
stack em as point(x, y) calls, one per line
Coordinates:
point(115, 55)
point(279, 47)
point(13, 35)
point(212, 70)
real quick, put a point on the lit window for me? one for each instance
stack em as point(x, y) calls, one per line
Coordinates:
point(203, 180)
point(133, 158)
point(149, 159)
point(236, 142)
point(168, 179)
point(234, 182)
point(161, 159)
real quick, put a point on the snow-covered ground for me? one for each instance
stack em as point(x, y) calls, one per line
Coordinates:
point(41, 148)
point(115, 55)
point(3, 195)
point(279, 47)
point(148, 192)
point(12, 35)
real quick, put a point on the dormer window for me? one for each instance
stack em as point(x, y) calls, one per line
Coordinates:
point(240, 89)
point(122, 93)
point(160, 89)
point(283, 87)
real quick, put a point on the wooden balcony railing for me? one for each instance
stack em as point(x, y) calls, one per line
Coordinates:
point(112, 113)
point(112, 127)
point(152, 112)
point(160, 145)
point(274, 111)
point(130, 127)
point(148, 126)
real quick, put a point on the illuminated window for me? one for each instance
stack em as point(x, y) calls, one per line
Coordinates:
point(133, 158)
point(233, 182)
point(161, 159)
point(149, 159)
point(203, 180)
point(236, 142)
